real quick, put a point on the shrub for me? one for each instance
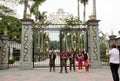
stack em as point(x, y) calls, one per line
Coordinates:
point(11, 61)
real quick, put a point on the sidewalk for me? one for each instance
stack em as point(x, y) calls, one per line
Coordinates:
point(43, 74)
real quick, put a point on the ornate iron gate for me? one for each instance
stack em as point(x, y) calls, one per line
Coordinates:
point(57, 36)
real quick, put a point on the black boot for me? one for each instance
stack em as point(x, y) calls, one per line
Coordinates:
point(61, 69)
point(66, 69)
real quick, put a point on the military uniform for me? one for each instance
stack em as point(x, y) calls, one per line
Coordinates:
point(72, 58)
point(52, 57)
point(63, 62)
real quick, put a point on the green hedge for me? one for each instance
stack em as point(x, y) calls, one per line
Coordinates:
point(11, 61)
point(104, 60)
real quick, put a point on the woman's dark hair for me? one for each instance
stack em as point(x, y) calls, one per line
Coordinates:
point(113, 45)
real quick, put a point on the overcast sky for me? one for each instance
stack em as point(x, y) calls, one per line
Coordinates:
point(107, 11)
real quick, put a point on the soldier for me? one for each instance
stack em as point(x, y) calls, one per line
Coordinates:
point(72, 57)
point(63, 61)
point(52, 57)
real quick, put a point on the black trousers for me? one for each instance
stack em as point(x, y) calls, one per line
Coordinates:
point(72, 65)
point(61, 66)
point(62, 69)
point(52, 65)
point(51, 68)
point(114, 70)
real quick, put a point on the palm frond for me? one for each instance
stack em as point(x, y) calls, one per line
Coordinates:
point(84, 1)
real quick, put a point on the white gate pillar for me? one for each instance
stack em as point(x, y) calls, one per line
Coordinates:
point(26, 45)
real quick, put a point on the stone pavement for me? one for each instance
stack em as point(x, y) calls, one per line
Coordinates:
point(43, 74)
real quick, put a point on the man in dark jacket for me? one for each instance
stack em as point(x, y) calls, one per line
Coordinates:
point(63, 61)
point(72, 57)
point(52, 57)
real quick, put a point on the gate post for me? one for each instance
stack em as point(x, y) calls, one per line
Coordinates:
point(4, 52)
point(26, 45)
point(93, 42)
point(61, 41)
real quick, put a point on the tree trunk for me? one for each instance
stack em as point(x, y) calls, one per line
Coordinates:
point(78, 11)
point(25, 9)
point(94, 8)
point(84, 14)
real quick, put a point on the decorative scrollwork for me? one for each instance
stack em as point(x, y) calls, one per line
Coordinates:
point(3, 55)
point(95, 42)
point(25, 43)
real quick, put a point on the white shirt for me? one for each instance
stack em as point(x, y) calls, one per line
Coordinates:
point(114, 56)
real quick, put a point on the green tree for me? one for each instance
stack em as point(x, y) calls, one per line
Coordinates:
point(33, 8)
point(4, 11)
point(54, 44)
point(13, 27)
point(103, 48)
point(42, 17)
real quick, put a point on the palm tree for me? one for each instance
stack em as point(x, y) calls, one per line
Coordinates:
point(25, 2)
point(34, 9)
point(42, 18)
point(84, 2)
point(94, 8)
point(78, 10)
point(36, 4)
point(5, 11)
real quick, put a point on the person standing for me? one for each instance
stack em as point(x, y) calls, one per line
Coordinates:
point(113, 54)
point(86, 60)
point(72, 57)
point(52, 57)
point(80, 59)
point(63, 61)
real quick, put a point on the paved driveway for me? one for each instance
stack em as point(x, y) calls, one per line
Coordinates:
point(43, 74)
